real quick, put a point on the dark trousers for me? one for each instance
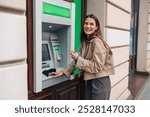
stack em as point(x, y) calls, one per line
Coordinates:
point(97, 89)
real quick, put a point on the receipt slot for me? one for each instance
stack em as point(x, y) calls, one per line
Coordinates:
point(53, 35)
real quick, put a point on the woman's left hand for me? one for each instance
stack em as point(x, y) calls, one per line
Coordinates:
point(73, 55)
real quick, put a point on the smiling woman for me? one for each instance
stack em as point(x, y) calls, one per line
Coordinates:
point(90, 26)
point(95, 61)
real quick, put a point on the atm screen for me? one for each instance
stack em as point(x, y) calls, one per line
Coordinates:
point(45, 53)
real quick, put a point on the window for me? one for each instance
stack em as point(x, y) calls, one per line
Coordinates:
point(133, 35)
point(45, 53)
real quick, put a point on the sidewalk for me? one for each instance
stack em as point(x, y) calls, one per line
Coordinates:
point(145, 93)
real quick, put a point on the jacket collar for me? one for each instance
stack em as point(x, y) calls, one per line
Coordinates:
point(91, 40)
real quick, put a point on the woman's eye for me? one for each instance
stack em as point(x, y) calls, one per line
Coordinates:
point(86, 23)
point(91, 24)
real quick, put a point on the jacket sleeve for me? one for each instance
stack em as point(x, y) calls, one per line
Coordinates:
point(96, 64)
point(69, 69)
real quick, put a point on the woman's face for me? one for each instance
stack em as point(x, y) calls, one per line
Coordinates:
point(90, 26)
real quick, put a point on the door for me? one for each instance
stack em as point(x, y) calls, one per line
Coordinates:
point(133, 36)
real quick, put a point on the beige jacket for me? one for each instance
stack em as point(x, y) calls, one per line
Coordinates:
point(95, 61)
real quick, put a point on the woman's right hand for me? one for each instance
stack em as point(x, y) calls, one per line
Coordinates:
point(56, 74)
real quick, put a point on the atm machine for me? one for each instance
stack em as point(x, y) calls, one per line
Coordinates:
point(54, 28)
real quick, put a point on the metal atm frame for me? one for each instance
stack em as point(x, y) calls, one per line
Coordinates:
point(45, 11)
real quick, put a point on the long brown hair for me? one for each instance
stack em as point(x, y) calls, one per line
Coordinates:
point(97, 33)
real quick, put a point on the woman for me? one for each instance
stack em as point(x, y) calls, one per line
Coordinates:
point(95, 61)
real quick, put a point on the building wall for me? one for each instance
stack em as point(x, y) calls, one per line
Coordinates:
point(115, 16)
point(143, 46)
point(13, 50)
point(98, 10)
point(147, 66)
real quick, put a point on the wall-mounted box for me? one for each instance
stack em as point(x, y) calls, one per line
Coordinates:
point(54, 28)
